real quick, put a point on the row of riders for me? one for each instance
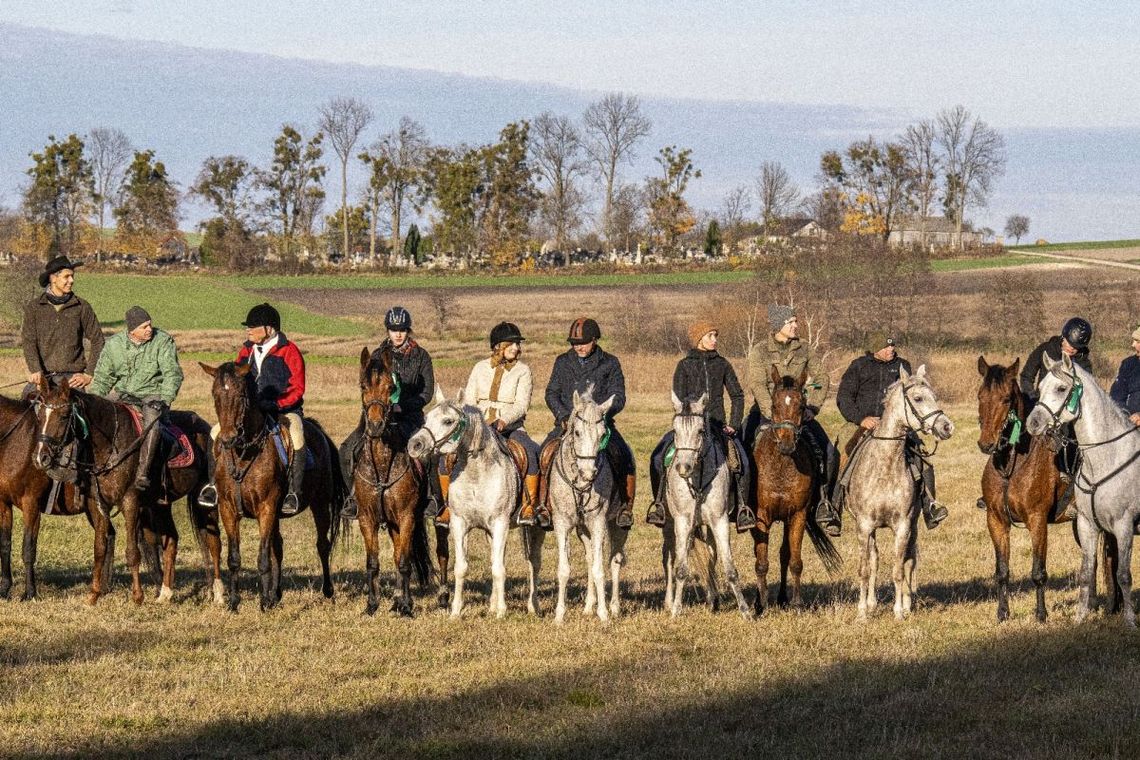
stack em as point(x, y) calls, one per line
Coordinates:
point(139, 367)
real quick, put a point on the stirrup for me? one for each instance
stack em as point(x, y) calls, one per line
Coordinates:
point(142, 483)
point(624, 517)
point(656, 515)
point(828, 519)
point(542, 516)
point(208, 496)
point(349, 510)
point(291, 505)
point(745, 518)
point(934, 514)
point(524, 518)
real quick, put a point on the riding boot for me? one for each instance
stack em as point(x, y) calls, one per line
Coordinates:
point(443, 515)
point(146, 455)
point(529, 499)
point(932, 512)
point(656, 513)
point(436, 501)
point(292, 503)
point(624, 517)
point(825, 514)
point(347, 456)
point(745, 517)
point(208, 496)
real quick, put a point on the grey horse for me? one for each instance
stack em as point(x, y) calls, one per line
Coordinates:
point(698, 508)
point(484, 493)
point(581, 494)
point(881, 490)
point(1108, 478)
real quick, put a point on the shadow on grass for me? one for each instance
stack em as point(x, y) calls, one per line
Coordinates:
point(1045, 693)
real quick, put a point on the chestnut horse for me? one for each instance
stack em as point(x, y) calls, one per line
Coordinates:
point(103, 434)
point(389, 491)
point(786, 486)
point(1020, 482)
point(27, 487)
point(251, 482)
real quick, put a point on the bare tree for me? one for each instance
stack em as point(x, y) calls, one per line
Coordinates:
point(734, 209)
point(613, 125)
point(556, 148)
point(342, 121)
point(775, 191)
point(1016, 226)
point(110, 152)
point(627, 214)
point(398, 161)
point(923, 163)
point(973, 157)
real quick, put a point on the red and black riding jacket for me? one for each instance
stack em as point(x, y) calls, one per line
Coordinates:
point(281, 378)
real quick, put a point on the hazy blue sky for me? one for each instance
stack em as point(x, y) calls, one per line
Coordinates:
point(1015, 63)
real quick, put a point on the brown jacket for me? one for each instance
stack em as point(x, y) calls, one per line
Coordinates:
point(52, 336)
point(790, 359)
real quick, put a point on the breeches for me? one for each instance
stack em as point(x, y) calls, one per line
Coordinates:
point(293, 423)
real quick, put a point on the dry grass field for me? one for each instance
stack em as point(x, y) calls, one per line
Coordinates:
point(316, 678)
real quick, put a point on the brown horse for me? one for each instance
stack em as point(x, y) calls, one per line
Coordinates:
point(103, 436)
point(1020, 482)
point(785, 490)
point(251, 482)
point(389, 490)
point(27, 487)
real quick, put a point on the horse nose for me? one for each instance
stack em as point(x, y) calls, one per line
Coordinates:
point(416, 447)
point(684, 470)
point(43, 460)
point(986, 448)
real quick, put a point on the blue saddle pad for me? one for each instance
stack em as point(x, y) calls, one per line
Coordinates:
point(277, 434)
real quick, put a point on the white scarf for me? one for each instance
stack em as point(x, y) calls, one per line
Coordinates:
point(261, 349)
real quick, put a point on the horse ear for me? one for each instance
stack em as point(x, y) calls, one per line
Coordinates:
point(242, 370)
point(44, 384)
point(576, 400)
point(903, 374)
point(803, 377)
point(983, 367)
point(365, 356)
point(1047, 360)
point(921, 373)
point(603, 408)
point(211, 371)
point(1014, 369)
point(774, 373)
point(677, 404)
point(459, 397)
point(438, 396)
point(1066, 361)
point(699, 406)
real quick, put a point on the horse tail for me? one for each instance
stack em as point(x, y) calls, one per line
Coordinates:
point(832, 560)
point(192, 516)
point(421, 551)
point(337, 524)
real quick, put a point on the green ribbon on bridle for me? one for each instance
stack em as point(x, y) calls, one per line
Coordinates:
point(669, 454)
point(459, 428)
point(1015, 431)
point(395, 397)
point(1075, 394)
point(605, 440)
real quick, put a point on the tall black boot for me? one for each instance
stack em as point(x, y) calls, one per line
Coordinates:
point(347, 456)
point(825, 514)
point(292, 503)
point(435, 500)
point(745, 517)
point(933, 513)
point(208, 496)
point(656, 513)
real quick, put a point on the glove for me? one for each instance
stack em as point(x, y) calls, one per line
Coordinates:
point(267, 405)
point(158, 405)
point(809, 413)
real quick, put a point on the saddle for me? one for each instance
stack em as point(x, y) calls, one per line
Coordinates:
point(174, 442)
point(545, 464)
point(284, 448)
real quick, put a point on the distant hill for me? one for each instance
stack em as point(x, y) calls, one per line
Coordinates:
point(188, 103)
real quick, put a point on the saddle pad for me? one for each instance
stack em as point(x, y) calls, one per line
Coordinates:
point(181, 453)
point(279, 441)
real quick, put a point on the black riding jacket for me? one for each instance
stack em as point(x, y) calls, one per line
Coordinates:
point(1035, 366)
point(864, 384)
point(709, 372)
point(412, 365)
point(573, 374)
point(1126, 389)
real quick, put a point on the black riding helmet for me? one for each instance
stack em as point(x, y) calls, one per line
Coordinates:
point(263, 315)
point(505, 332)
point(583, 331)
point(398, 318)
point(1078, 332)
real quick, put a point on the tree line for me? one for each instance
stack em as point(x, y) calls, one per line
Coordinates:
point(550, 183)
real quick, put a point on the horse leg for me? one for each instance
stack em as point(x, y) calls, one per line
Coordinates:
point(6, 549)
point(598, 564)
point(277, 560)
point(148, 542)
point(168, 535)
point(999, 535)
point(902, 540)
point(370, 533)
point(794, 539)
point(134, 555)
point(266, 521)
point(562, 536)
point(323, 517)
point(760, 537)
point(668, 557)
point(682, 543)
point(785, 561)
point(459, 531)
point(442, 558)
point(1038, 526)
point(1123, 531)
point(499, 531)
point(591, 589)
point(209, 538)
point(722, 536)
point(103, 548)
point(533, 539)
point(231, 522)
point(32, 520)
point(1111, 561)
point(617, 538)
point(868, 558)
point(910, 562)
point(401, 536)
point(1087, 532)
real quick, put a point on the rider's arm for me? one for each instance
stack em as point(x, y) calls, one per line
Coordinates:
point(295, 390)
point(758, 382)
point(735, 396)
point(471, 394)
point(516, 410)
point(168, 365)
point(617, 389)
point(1030, 371)
point(28, 340)
point(847, 397)
point(553, 394)
point(94, 334)
point(820, 381)
point(106, 374)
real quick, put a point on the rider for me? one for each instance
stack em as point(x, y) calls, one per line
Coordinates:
point(1126, 389)
point(585, 363)
point(139, 366)
point(501, 386)
point(860, 401)
point(56, 323)
point(704, 371)
point(415, 387)
point(1076, 335)
point(278, 369)
point(790, 355)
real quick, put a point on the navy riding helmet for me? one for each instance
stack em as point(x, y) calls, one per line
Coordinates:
point(1078, 332)
point(398, 318)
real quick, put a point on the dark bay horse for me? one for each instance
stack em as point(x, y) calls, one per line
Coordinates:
point(106, 444)
point(27, 487)
point(1021, 482)
point(785, 491)
point(251, 482)
point(389, 491)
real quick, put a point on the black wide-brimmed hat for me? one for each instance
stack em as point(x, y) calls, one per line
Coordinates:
point(58, 264)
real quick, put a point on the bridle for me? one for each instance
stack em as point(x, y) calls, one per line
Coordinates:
point(921, 426)
point(581, 492)
point(694, 487)
point(240, 441)
point(454, 434)
point(55, 446)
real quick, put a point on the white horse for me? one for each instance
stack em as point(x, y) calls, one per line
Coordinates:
point(581, 492)
point(1108, 478)
point(698, 503)
point(484, 493)
point(880, 489)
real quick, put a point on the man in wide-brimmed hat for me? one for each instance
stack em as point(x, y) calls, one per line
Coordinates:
point(56, 323)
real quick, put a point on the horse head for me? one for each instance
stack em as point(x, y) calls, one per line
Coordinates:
point(445, 425)
point(688, 433)
point(1058, 396)
point(234, 393)
point(379, 391)
point(788, 404)
point(55, 418)
point(999, 403)
point(587, 431)
point(921, 412)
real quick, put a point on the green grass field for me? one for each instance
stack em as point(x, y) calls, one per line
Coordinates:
point(1083, 245)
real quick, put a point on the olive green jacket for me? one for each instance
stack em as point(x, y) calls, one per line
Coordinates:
point(790, 359)
point(143, 371)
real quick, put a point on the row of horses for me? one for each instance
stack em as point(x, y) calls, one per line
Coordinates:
point(1020, 485)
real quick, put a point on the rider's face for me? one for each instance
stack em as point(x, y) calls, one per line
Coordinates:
point(397, 337)
point(61, 282)
point(512, 351)
point(257, 335)
point(791, 328)
point(708, 342)
point(1136, 345)
point(142, 333)
point(584, 349)
point(1067, 348)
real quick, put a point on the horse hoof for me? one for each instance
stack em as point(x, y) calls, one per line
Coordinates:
point(370, 609)
point(219, 593)
point(165, 594)
point(92, 598)
point(406, 611)
point(137, 599)
point(327, 591)
point(444, 601)
point(5, 591)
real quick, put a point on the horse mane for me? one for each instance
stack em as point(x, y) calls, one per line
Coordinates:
point(375, 370)
point(478, 426)
point(787, 383)
point(1088, 379)
point(995, 378)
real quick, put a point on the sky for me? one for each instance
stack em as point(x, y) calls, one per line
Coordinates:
point(1014, 63)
